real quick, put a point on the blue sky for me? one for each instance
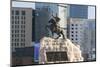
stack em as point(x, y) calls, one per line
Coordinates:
point(91, 9)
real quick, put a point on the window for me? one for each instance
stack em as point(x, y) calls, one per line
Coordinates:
point(22, 35)
point(72, 31)
point(76, 28)
point(22, 26)
point(72, 28)
point(12, 35)
point(76, 35)
point(22, 31)
point(16, 31)
point(15, 17)
point(16, 26)
point(18, 22)
point(21, 17)
point(12, 44)
point(12, 12)
point(15, 22)
point(72, 24)
point(72, 39)
point(12, 31)
point(17, 35)
point(12, 17)
point(21, 39)
point(23, 12)
point(21, 22)
point(24, 22)
point(76, 24)
point(72, 35)
point(24, 18)
point(22, 44)
point(12, 26)
point(12, 39)
point(17, 44)
point(17, 12)
point(76, 39)
point(12, 22)
point(17, 40)
point(24, 40)
point(76, 32)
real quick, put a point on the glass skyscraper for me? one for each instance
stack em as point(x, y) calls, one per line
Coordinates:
point(78, 11)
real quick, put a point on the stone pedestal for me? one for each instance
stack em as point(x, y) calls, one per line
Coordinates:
point(58, 50)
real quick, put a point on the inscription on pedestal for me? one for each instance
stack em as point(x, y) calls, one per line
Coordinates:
point(56, 56)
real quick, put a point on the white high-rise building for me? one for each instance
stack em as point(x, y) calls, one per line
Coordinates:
point(76, 30)
point(82, 32)
point(62, 14)
point(21, 27)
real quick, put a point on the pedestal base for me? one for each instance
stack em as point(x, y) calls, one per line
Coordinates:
point(58, 50)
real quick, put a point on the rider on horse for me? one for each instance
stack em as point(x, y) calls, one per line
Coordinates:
point(54, 22)
point(55, 27)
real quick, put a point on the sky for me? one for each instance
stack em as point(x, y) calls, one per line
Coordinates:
point(91, 9)
point(91, 12)
point(23, 4)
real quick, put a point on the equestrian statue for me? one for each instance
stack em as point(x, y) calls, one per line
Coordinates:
point(54, 26)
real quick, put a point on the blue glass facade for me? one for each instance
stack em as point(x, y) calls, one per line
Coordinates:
point(78, 11)
point(36, 52)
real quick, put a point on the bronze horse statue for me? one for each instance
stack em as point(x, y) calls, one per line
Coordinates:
point(54, 27)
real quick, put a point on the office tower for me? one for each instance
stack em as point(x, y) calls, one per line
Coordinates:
point(62, 14)
point(75, 30)
point(78, 11)
point(77, 34)
point(21, 27)
point(92, 38)
point(82, 32)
